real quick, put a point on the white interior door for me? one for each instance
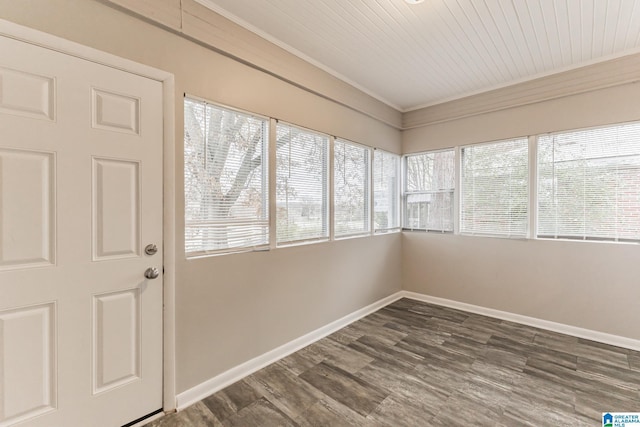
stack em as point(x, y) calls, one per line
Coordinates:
point(80, 199)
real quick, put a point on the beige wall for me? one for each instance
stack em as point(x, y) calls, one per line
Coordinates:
point(233, 308)
point(585, 284)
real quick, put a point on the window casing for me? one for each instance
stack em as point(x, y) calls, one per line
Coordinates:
point(225, 173)
point(429, 186)
point(589, 184)
point(302, 185)
point(386, 191)
point(351, 167)
point(494, 189)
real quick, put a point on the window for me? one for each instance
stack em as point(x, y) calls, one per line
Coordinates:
point(495, 196)
point(302, 187)
point(429, 187)
point(351, 189)
point(386, 174)
point(225, 179)
point(589, 184)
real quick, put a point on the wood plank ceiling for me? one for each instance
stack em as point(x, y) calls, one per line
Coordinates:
point(412, 56)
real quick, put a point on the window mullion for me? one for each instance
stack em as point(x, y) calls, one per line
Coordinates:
point(332, 228)
point(533, 188)
point(403, 192)
point(273, 146)
point(456, 190)
point(370, 190)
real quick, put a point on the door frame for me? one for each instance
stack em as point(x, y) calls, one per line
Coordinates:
point(55, 43)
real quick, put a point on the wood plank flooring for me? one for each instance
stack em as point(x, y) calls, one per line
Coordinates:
point(414, 364)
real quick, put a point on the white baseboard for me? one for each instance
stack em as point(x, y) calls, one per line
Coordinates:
point(199, 392)
point(217, 383)
point(575, 331)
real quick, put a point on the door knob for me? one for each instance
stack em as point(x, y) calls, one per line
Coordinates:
point(151, 273)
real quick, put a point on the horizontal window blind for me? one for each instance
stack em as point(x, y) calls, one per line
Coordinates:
point(351, 189)
point(589, 184)
point(302, 186)
point(494, 190)
point(428, 193)
point(386, 186)
point(225, 172)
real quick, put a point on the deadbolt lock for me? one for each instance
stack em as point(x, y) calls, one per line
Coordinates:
point(150, 249)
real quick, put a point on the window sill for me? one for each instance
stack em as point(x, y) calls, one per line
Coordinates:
point(205, 254)
point(301, 243)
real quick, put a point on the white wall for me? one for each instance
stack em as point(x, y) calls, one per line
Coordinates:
point(591, 285)
point(233, 308)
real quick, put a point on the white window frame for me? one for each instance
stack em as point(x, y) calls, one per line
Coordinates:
point(534, 198)
point(327, 183)
point(266, 165)
point(460, 196)
point(368, 190)
point(533, 172)
point(455, 194)
point(399, 181)
point(269, 191)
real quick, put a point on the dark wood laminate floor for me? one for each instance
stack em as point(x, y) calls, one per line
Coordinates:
point(414, 364)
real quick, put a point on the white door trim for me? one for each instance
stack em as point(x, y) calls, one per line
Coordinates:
point(48, 41)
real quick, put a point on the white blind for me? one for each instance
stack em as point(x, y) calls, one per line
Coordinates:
point(429, 187)
point(302, 187)
point(351, 189)
point(495, 195)
point(386, 176)
point(225, 179)
point(589, 184)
